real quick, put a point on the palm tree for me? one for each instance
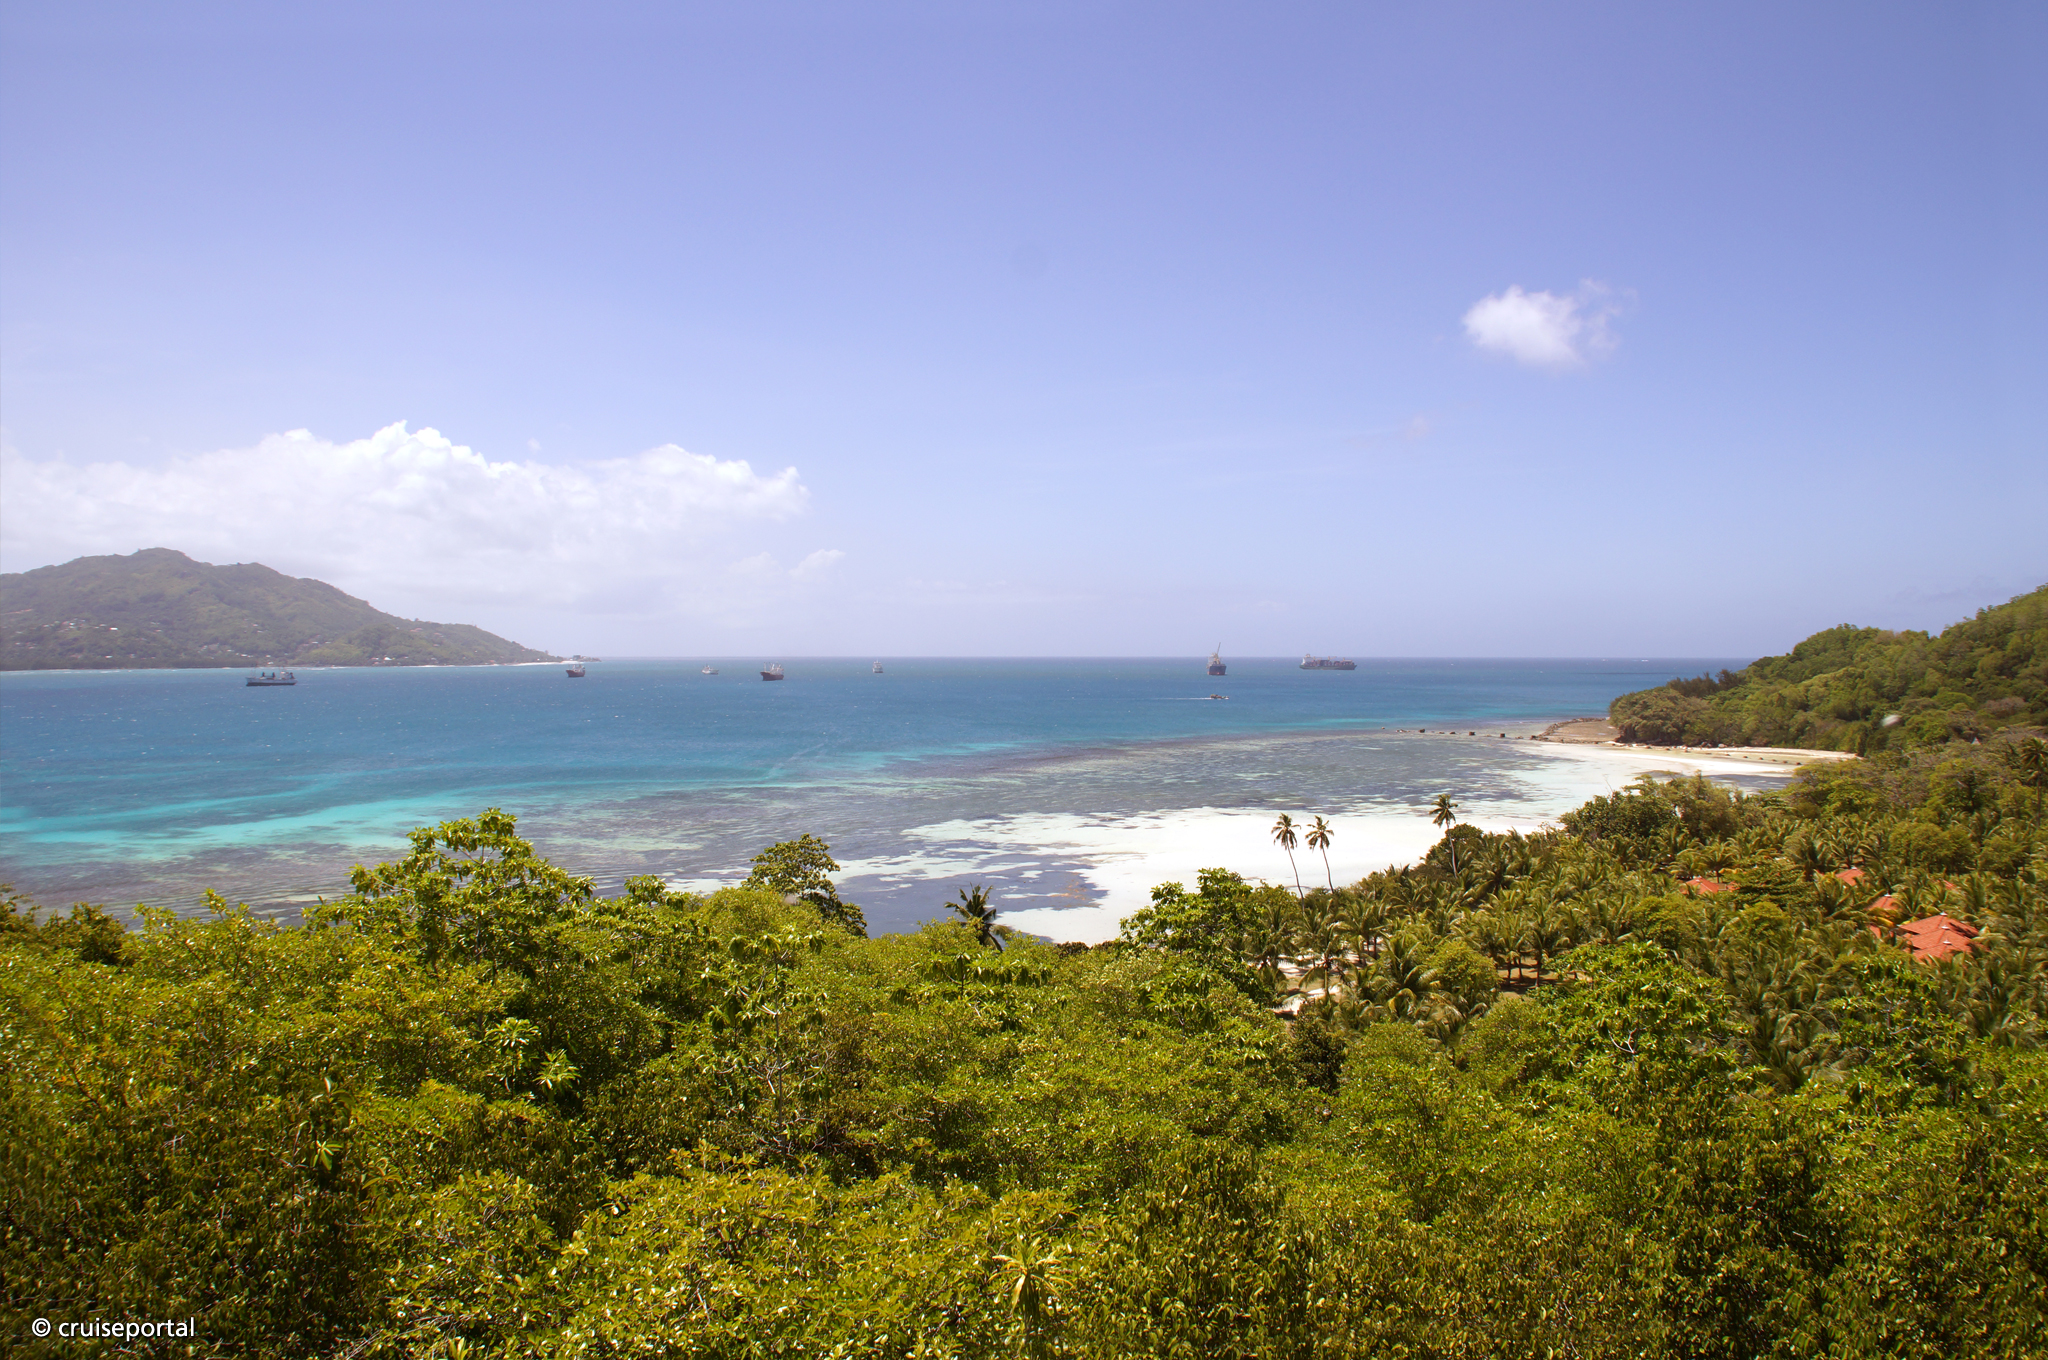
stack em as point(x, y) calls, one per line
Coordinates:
point(1406, 980)
point(1810, 855)
point(1368, 915)
point(1318, 838)
point(975, 908)
point(1548, 926)
point(1283, 832)
point(1323, 932)
point(1445, 814)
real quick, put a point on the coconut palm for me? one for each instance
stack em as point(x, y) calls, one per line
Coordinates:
point(1283, 832)
point(979, 912)
point(1445, 814)
point(1810, 855)
point(1548, 926)
point(1368, 914)
point(1265, 945)
point(1318, 838)
point(1323, 934)
point(1406, 981)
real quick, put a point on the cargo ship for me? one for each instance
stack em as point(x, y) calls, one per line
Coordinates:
point(1326, 663)
point(272, 678)
point(1216, 666)
point(772, 671)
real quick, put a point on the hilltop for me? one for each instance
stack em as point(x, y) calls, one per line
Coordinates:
point(159, 610)
point(1863, 689)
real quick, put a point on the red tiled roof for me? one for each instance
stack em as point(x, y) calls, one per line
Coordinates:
point(1708, 885)
point(1937, 936)
point(1852, 875)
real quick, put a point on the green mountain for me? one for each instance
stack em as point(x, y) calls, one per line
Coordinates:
point(1863, 689)
point(158, 609)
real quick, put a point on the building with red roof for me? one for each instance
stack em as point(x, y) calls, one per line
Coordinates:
point(1708, 886)
point(1935, 937)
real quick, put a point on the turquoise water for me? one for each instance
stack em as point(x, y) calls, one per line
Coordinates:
point(125, 787)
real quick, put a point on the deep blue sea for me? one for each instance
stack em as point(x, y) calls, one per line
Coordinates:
point(1065, 782)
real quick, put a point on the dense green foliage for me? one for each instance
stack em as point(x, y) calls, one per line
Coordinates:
point(158, 609)
point(1539, 1099)
point(1862, 689)
point(803, 869)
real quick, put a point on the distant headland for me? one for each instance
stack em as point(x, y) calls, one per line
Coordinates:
point(1863, 690)
point(157, 609)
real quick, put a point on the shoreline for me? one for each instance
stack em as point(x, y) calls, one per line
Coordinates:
point(1075, 835)
point(1111, 862)
point(1600, 735)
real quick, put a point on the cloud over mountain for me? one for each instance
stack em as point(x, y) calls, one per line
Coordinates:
point(405, 518)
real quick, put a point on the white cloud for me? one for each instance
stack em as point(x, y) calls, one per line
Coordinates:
point(1544, 330)
point(817, 564)
point(414, 522)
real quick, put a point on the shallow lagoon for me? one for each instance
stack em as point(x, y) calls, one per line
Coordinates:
point(1070, 785)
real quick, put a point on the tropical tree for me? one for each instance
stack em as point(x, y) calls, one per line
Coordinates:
point(1405, 981)
point(1548, 927)
point(1497, 932)
point(976, 908)
point(1323, 934)
point(1445, 814)
point(1029, 1284)
point(801, 868)
point(1368, 914)
point(1283, 832)
point(1809, 854)
point(1264, 946)
point(1318, 838)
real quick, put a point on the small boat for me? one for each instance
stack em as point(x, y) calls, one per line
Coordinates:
point(1216, 666)
point(576, 671)
point(272, 678)
point(878, 668)
point(711, 670)
point(1326, 663)
point(772, 671)
point(1219, 696)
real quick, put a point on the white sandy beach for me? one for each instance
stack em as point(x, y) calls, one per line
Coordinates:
point(1118, 860)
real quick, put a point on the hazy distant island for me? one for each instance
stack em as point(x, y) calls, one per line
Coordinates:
point(157, 609)
point(1863, 689)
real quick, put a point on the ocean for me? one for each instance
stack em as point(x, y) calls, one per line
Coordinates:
point(1069, 786)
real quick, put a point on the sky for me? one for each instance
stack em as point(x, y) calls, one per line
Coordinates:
point(1438, 329)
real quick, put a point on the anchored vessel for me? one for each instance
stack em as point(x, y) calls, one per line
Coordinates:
point(576, 671)
point(772, 671)
point(1326, 663)
point(878, 668)
point(272, 678)
point(711, 670)
point(1216, 660)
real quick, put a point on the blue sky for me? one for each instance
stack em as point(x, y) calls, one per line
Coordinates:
point(1444, 329)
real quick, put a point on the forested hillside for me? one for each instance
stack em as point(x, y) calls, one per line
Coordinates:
point(159, 609)
point(1664, 1083)
point(1862, 689)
